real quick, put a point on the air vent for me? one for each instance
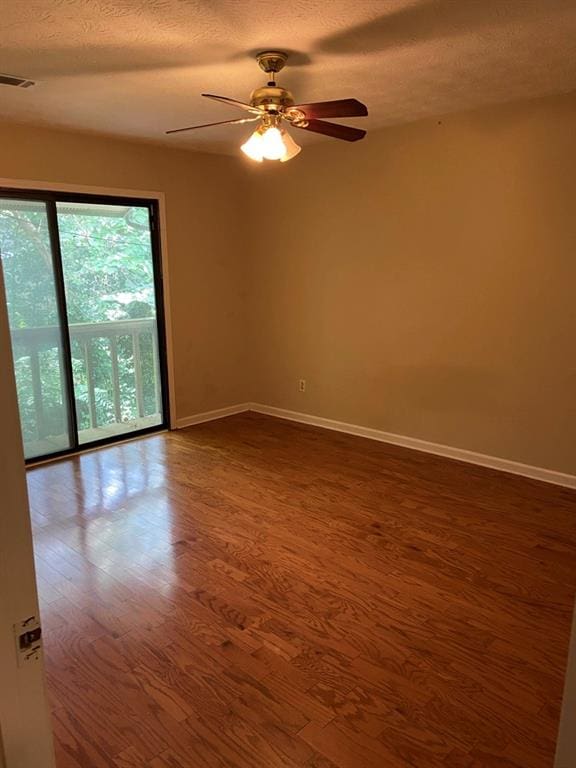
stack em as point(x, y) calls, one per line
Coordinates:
point(17, 82)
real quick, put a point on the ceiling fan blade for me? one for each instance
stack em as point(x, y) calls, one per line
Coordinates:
point(345, 132)
point(210, 125)
point(339, 108)
point(233, 103)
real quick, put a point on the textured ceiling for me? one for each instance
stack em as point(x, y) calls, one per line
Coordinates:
point(137, 67)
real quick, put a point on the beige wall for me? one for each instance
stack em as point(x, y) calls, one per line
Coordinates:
point(423, 282)
point(206, 264)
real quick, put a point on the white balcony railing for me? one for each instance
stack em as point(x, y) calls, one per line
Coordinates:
point(29, 345)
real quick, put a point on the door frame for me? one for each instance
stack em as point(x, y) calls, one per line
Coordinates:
point(26, 730)
point(50, 192)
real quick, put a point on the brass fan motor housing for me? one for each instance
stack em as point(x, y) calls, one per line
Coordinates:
point(271, 98)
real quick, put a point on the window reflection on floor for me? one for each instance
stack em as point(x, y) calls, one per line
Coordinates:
point(117, 520)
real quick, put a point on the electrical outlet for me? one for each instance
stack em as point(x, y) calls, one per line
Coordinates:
point(302, 385)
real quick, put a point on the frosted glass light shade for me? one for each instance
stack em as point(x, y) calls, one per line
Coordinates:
point(292, 149)
point(253, 147)
point(273, 144)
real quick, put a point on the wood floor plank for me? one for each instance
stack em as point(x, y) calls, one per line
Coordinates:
point(166, 760)
point(253, 593)
point(130, 758)
point(344, 751)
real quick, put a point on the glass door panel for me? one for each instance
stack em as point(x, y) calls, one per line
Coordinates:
point(39, 343)
point(109, 280)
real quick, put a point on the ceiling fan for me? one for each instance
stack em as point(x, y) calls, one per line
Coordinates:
point(274, 107)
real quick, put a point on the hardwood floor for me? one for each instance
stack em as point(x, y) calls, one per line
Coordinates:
point(255, 593)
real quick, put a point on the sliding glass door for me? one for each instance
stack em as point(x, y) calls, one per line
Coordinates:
point(82, 285)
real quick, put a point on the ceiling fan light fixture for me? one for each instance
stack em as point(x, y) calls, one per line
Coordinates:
point(270, 143)
point(273, 106)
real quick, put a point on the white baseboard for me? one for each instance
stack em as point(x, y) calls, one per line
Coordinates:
point(460, 454)
point(470, 457)
point(219, 413)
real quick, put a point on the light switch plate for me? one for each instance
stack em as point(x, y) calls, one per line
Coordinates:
point(28, 637)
